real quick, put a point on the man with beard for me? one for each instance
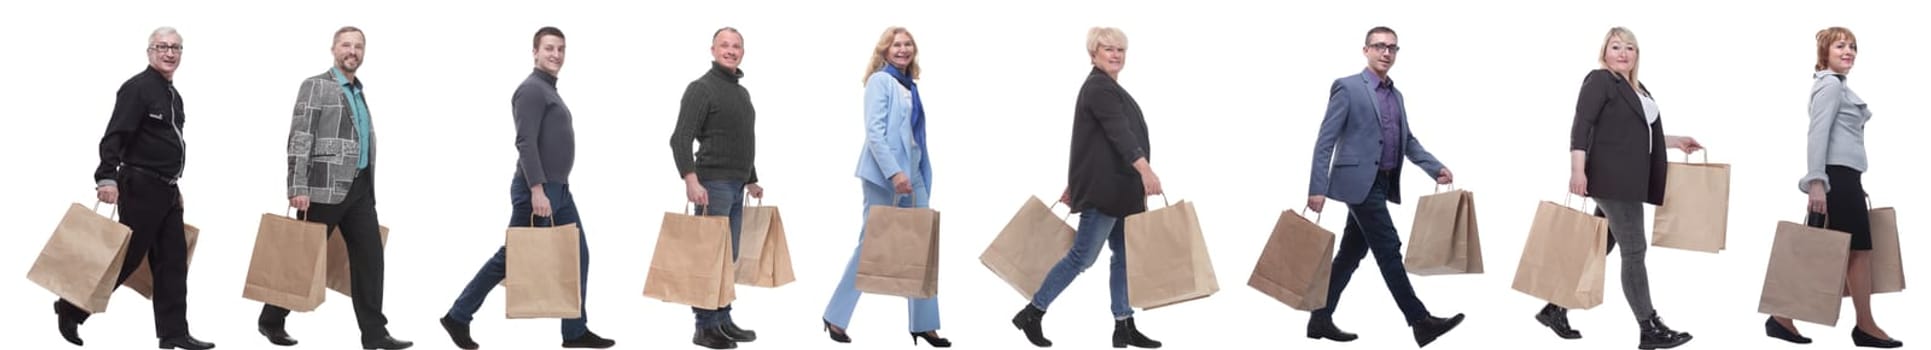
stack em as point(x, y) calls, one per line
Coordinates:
point(331, 179)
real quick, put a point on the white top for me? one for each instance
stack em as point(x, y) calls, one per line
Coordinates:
point(1650, 114)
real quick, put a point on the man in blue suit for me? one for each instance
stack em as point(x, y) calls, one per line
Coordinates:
point(1357, 160)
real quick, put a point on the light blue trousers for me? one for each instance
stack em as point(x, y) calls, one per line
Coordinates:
point(923, 314)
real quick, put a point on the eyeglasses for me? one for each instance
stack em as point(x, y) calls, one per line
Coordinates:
point(166, 48)
point(1385, 47)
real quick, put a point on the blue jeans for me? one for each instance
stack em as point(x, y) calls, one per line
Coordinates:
point(727, 199)
point(923, 314)
point(1370, 228)
point(1095, 228)
point(563, 210)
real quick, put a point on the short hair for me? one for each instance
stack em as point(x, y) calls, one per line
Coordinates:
point(1104, 35)
point(346, 30)
point(1369, 39)
point(537, 41)
point(1827, 37)
point(158, 32)
point(1628, 38)
point(720, 31)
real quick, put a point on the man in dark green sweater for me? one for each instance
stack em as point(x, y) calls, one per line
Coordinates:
point(716, 113)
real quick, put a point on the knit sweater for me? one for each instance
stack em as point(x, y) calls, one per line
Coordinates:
point(546, 141)
point(716, 112)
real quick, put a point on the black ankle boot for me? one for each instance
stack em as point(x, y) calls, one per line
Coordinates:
point(1028, 320)
point(1126, 333)
point(1557, 319)
point(1655, 335)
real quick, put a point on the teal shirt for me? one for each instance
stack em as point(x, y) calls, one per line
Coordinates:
point(361, 112)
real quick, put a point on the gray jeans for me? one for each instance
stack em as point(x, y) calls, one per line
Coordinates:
point(1626, 229)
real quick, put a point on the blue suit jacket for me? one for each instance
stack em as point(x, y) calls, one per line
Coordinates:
point(1349, 144)
point(889, 146)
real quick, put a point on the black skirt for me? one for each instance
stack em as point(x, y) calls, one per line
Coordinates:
point(1849, 213)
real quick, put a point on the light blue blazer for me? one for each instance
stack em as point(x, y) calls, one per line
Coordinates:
point(1350, 137)
point(889, 145)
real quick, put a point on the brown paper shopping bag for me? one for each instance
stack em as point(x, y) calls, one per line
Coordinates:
point(764, 255)
point(1028, 247)
point(1887, 258)
point(339, 259)
point(900, 252)
point(1695, 214)
point(692, 262)
point(1562, 262)
point(1805, 277)
point(1166, 258)
point(290, 264)
point(542, 276)
point(1446, 238)
point(1296, 264)
point(82, 258)
point(142, 280)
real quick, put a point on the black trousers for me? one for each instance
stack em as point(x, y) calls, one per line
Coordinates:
point(151, 207)
point(356, 218)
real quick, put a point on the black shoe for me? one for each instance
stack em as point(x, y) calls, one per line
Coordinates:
point(1323, 328)
point(1431, 327)
point(386, 343)
point(738, 334)
point(1126, 332)
point(186, 342)
point(458, 333)
point(1775, 330)
point(69, 326)
point(1028, 320)
point(589, 340)
point(713, 338)
point(277, 335)
point(1557, 319)
point(1658, 336)
point(931, 337)
point(838, 335)
point(1866, 340)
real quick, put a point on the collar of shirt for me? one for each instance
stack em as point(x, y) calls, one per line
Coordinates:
point(344, 80)
point(547, 78)
point(1376, 81)
point(1820, 74)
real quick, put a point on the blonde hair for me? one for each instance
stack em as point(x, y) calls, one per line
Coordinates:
point(885, 44)
point(1104, 36)
point(1628, 38)
point(1827, 37)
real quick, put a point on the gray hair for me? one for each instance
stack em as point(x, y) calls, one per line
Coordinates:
point(158, 32)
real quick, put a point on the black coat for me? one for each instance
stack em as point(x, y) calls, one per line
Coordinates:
point(1611, 128)
point(1109, 134)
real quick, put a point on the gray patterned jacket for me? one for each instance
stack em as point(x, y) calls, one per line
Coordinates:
point(323, 148)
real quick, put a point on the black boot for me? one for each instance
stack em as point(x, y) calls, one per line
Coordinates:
point(1776, 330)
point(738, 334)
point(589, 340)
point(714, 338)
point(1658, 336)
point(277, 334)
point(1323, 328)
point(1429, 328)
point(69, 325)
point(458, 333)
point(1028, 320)
point(1125, 333)
point(1557, 319)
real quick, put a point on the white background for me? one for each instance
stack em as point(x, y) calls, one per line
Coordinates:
point(1233, 92)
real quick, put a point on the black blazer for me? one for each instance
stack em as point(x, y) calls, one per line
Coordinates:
point(1626, 157)
point(1109, 134)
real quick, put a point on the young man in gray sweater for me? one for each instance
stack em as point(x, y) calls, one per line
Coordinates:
point(716, 113)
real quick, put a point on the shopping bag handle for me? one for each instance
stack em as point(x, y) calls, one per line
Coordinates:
point(1585, 201)
point(1164, 200)
point(1069, 210)
point(1438, 187)
point(1705, 152)
point(1317, 215)
point(111, 214)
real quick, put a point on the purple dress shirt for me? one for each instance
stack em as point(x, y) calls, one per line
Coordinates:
point(1391, 141)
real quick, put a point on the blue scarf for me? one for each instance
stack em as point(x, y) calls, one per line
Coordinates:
point(918, 119)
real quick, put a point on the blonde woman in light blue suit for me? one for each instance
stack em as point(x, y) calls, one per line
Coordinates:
point(895, 170)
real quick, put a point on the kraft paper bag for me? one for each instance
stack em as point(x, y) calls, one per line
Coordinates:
point(339, 259)
point(1695, 214)
point(290, 264)
point(692, 263)
point(82, 258)
point(1296, 264)
point(1028, 247)
point(142, 280)
point(1446, 239)
point(1805, 278)
point(764, 254)
point(1166, 258)
point(1887, 257)
point(1562, 262)
point(900, 252)
point(542, 276)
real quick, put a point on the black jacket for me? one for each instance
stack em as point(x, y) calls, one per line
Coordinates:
point(145, 130)
point(1109, 134)
point(1625, 154)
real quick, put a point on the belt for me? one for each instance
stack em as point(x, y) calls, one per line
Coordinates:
point(171, 180)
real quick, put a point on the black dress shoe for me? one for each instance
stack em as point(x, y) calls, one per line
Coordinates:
point(1028, 320)
point(713, 338)
point(1866, 340)
point(739, 334)
point(1323, 328)
point(589, 340)
point(1557, 319)
point(69, 326)
point(931, 337)
point(276, 335)
point(838, 335)
point(1658, 336)
point(386, 343)
point(458, 333)
point(1776, 330)
point(1431, 327)
point(1127, 333)
point(186, 342)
